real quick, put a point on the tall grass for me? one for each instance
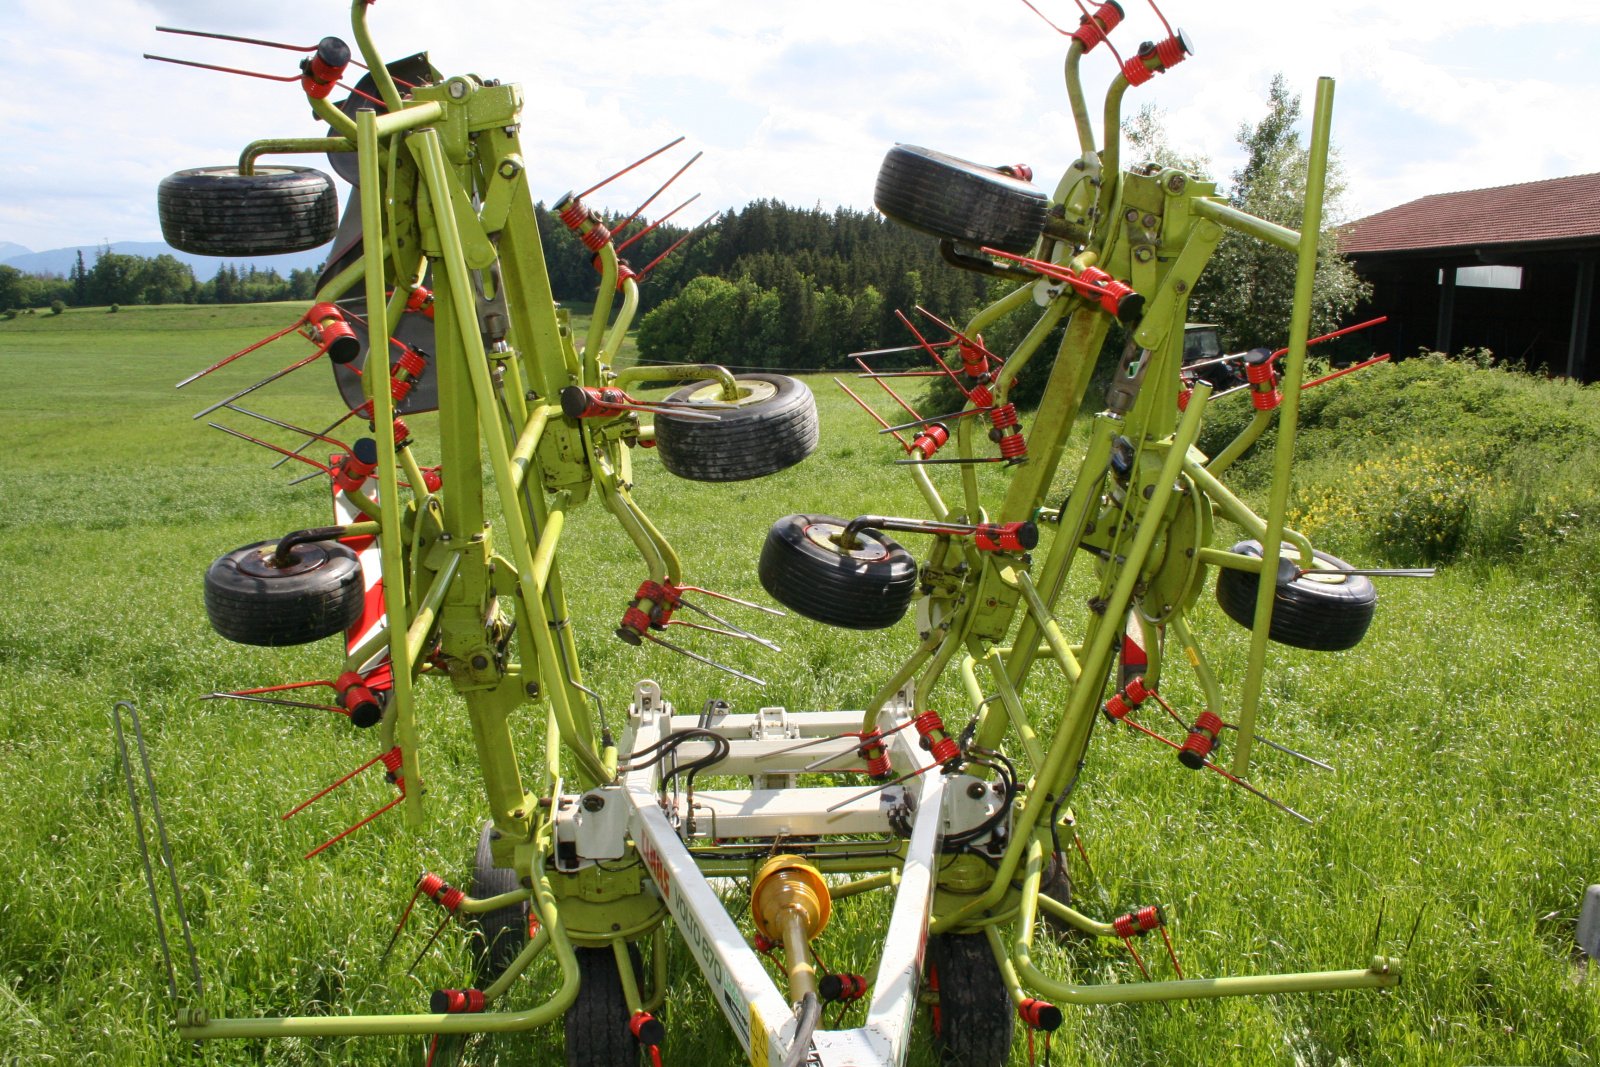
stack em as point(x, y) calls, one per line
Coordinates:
point(1465, 798)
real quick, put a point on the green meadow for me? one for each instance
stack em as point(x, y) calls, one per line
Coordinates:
point(1464, 729)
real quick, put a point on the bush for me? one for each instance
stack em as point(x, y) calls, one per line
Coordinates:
point(57, 306)
point(8, 314)
point(1410, 505)
point(113, 309)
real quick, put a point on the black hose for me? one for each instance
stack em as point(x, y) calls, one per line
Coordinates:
point(807, 1015)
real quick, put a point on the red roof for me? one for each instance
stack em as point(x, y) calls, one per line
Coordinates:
point(1557, 209)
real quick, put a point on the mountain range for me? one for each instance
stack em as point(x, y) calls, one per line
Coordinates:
point(59, 261)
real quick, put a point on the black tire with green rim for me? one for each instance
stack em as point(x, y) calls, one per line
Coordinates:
point(505, 930)
point(770, 427)
point(868, 587)
point(973, 1019)
point(217, 211)
point(958, 200)
point(1320, 610)
point(597, 1022)
point(251, 600)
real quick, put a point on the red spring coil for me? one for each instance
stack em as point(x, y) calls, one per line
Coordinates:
point(636, 620)
point(410, 362)
point(338, 339)
point(981, 397)
point(1013, 446)
point(456, 1001)
point(1183, 399)
point(392, 760)
point(365, 411)
point(1135, 71)
point(943, 747)
point(842, 988)
point(1260, 374)
point(358, 701)
point(973, 361)
point(596, 238)
point(1006, 537)
point(871, 749)
point(400, 388)
point(352, 473)
point(646, 1029)
point(1170, 52)
point(624, 273)
point(1093, 30)
point(1003, 417)
point(574, 214)
point(421, 299)
point(930, 440)
point(321, 313)
point(318, 78)
point(440, 892)
point(1125, 701)
point(1040, 1014)
point(1201, 740)
point(1137, 691)
point(763, 944)
point(1265, 401)
point(402, 433)
point(1138, 922)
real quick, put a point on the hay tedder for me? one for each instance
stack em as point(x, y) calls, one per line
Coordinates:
point(448, 567)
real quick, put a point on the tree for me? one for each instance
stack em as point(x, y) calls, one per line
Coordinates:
point(1248, 288)
point(79, 276)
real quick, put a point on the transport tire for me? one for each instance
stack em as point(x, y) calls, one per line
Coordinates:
point(505, 930)
point(1319, 610)
point(216, 211)
point(866, 588)
point(973, 1019)
point(771, 427)
point(597, 1022)
point(253, 602)
point(957, 200)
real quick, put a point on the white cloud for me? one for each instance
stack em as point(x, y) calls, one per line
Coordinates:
point(796, 100)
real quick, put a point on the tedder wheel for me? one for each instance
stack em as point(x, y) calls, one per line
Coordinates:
point(251, 600)
point(956, 200)
point(1057, 885)
point(216, 211)
point(772, 426)
point(867, 587)
point(504, 930)
point(1319, 610)
point(973, 1018)
point(597, 1021)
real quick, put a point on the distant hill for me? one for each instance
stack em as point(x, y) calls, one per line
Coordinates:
point(59, 260)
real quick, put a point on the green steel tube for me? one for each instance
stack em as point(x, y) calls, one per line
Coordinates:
point(660, 372)
point(1029, 345)
point(594, 342)
point(1241, 444)
point(1288, 418)
point(1239, 512)
point(887, 690)
point(1080, 107)
point(285, 146)
point(544, 554)
point(391, 550)
point(1202, 670)
point(530, 952)
point(340, 283)
point(528, 443)
point(375, 65)
point(1080, 704)
point(428, 609)
point(1110, 163)
point(334, 117)
point(1018, 297)
point(619, 329)
point(630, 985)
point(1244, 222)
point(1014, 709)
point(573, 732)
point(1059, 648)
point(886, 880)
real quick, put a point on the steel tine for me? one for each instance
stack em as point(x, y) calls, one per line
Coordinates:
point(323, 436)
point(1240, 782)
point(817, 764)
point(735, 634)
point(268, 380)
point(308, 477)
point(242, 352)
point(652, 638)
point(735, 600)
point(740, 630)
point(288, 426)
point(880, 788)
point(812, 743)
point(897, 348)
point(255, 699)
point(932, 418)
point(1286, 750)
point(321, 467)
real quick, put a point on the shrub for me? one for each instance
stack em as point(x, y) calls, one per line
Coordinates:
point(8, 314)
point(57, 306)
point(1410, 505)
point(113, 309)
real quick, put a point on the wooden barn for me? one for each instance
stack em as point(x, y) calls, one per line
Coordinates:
point(1510, 269)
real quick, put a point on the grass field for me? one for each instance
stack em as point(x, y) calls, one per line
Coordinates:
point(1468, 759)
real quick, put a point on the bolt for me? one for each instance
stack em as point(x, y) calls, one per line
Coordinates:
point(593, 802)
point(458, 89)
point(616, 926)
point(1149, 491)
point(1132, 215)
point(1150, 221)
point(479, 662)
point(522, 813)
point(1180, 286)
point(1143, 253)
point(1176, 182)
point(494, 835)
point(532, 689)
point(976, 790)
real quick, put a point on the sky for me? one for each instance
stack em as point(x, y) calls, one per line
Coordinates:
point(795, 101)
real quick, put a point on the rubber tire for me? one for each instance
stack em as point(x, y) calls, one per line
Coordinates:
point(259, 605)
point(976, 1019)
point(868, 588)
point(1306, 613)
point(1056, 884)
point(504, 931)
point(957, 200)
point(772, 429)
point(597, 1022)
point(216, 211)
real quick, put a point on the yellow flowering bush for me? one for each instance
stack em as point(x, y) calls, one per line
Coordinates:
point(1410, 504)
